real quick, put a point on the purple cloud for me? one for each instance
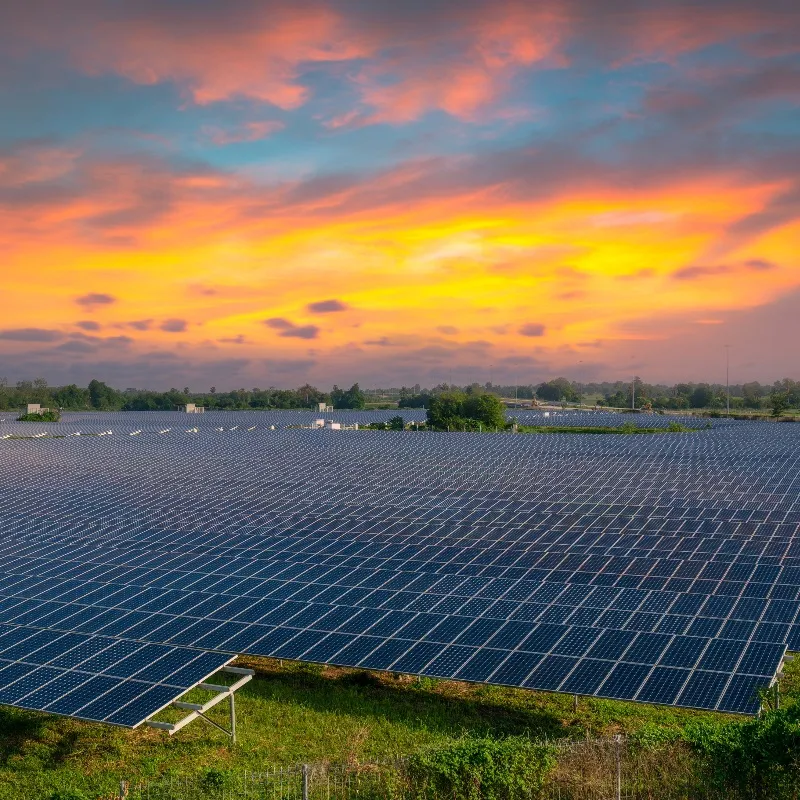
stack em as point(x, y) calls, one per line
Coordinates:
point(327, 307)
point(302, 332)
point(278, 323)
point(233, 340)
point(447, 330)
point(95, 299)
point(290, 330)
point(693, 273)
point(140, 324)
point(31, 335)
point(759, 264)
point(88, 325)
point(532, 329)
point(173, 325)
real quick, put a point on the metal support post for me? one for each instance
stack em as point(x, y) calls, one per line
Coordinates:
point(233, 718)
point(123, 789)
point(305, 781)
point(618, 755)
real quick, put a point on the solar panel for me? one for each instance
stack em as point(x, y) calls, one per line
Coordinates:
point(98, 678)
point(662, 568)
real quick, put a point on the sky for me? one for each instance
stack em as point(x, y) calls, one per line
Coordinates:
point(268, 192)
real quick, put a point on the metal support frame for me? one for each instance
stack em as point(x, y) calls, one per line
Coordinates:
point(199, 710)
point(775, 684)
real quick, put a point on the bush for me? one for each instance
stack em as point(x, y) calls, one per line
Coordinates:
point(67, 794)
point(45, 416)
point(757, 758)
point(214, 780)
point(458, 411)
point(513, 768)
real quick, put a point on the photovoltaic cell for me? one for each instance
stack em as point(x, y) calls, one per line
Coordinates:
point(610, 565)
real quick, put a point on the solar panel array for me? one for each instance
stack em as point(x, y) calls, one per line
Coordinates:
point(661, 568)
point(96, 678)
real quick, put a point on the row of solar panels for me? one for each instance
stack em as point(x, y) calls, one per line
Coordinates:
point(124, 531)
point(166, 421)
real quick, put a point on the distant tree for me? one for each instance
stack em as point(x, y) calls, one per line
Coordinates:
point(411, 400)
point(779, 402)
point(487, 409)
point(751, 394)
point(103, 397)
point(702, 396)
point(446, 411)
point(352, 398)
point(555, 390)
point(71, 397)
point(461, 411)
point(397, 423)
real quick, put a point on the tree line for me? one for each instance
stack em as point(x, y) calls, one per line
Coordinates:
point(99, 396)
point(621, 394)
point(782, 394)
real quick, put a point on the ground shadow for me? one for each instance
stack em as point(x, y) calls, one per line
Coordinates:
point(401, 699)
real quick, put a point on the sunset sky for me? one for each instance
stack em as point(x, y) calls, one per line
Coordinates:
point(265, 192)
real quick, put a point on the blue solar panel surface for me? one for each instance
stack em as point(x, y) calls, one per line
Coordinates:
point(98, 678)
point(660, 568)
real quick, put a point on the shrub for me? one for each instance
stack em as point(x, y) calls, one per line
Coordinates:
point(46, 416)
point(513, 768)
point(214, 780)
point(757, 758)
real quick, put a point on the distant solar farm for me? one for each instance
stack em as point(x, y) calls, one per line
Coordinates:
point(135, 564)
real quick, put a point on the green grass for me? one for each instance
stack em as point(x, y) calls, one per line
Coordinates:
point(294, 713)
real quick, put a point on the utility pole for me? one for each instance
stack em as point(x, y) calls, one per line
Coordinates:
point(633, 394)
point(728, 377)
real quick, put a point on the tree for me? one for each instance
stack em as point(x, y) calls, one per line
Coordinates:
point(446, 411)
point(460, 411)
point(352, 398)
point(779, 401)
point(397, 423)
point(71, 397)
point(751, 394)
point(701, 396)
point(555, 390)
point(103, 397)
point(487, 409)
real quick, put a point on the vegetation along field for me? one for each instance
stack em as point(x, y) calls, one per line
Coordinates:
point(293, 713)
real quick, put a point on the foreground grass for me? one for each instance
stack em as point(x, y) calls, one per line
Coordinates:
point(291, 713)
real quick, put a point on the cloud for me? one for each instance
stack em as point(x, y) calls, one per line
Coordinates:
point(140, 324)
point(173, 325)
point(532, 329)
point(290, 330)
point(78, 347)
point(240, 339)
point(302, 332)
point(94, 299)
point(382, 342)
point(447, 330)
point(696, 272)
point(31, 335)
point(278, 323)
point(326, 307)
point(759, 264)
point(88, 325)
point(247, 132)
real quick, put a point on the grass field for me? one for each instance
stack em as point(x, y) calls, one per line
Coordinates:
point(291, 713)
